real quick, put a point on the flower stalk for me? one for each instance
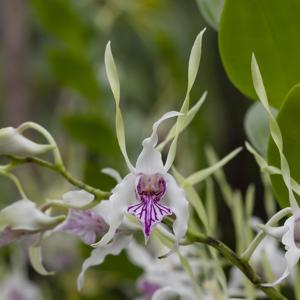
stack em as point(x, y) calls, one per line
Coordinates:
point(235, 260)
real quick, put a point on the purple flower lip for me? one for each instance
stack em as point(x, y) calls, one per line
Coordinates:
point(150, 189)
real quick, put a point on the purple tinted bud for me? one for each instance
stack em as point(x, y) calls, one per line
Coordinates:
point(150, 189)
point(86, 224)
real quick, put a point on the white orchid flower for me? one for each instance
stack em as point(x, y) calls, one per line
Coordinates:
point(289, 235)
point(162, 279)
point(12, 142)
point(149, 192)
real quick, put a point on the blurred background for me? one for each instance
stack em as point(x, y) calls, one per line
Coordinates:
point(52, 73)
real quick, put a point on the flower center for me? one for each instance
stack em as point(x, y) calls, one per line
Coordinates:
point(153, 186)
point(149, 191)
point(297, 231)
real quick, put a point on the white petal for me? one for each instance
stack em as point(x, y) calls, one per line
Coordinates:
point(24, 215)
point(150, 160)
point(139, 255)
point(98, 255)
point(164, 294)
point(177, 201)
point(122, 196)
point(14, 143)
point(78, 199)
point(112, 173)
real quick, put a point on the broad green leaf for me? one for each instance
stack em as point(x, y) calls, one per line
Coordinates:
point(211, 11)
point(256, 125)
point(113, 78)
point(76, 72)
point(270, 29)
point(193, 66)
point(289, 122)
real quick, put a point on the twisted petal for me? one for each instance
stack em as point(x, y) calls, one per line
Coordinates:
point(150, 160)
point(24, 215)
point(98, 255)
point(122, 196)
point(112, 173)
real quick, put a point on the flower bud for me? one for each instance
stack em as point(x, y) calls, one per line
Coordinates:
point(14, 143)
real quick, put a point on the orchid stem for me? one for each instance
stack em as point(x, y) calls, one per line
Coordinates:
point(236, 260)
point(99, 194)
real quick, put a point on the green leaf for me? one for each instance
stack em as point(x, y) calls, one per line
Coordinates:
point(270, 29)
point(289, 123)
point(76, 72)
point(256, 125)
point(211, 11)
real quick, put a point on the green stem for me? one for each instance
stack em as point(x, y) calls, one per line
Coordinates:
point(99, 194)
point(237, 261)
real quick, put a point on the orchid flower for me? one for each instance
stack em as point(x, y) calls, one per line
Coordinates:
point(149, 192)
point(162, 279)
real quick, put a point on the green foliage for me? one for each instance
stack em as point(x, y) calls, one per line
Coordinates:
point(289, 123)
point(75, 72)
point(270, 29)
point(91, 131)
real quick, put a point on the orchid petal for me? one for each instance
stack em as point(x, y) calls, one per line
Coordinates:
point(177, 201)
point(122, 196)
point(274, 130)
point(86, 225)
point(78, 199)
point(113, 78)
point(194, 62)
point(189, 118)
point(14, 143)
point(112, 173)
point(35, 256)
point(275, 232)
point(164, 293)
point(150, 160)
point(8, 236)
point(98, 255)
point(24, 215)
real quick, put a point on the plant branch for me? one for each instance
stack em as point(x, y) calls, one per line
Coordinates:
point(237, 261)
point(99, 194)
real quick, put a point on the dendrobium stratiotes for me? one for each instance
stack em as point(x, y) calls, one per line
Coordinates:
point(149, 192)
